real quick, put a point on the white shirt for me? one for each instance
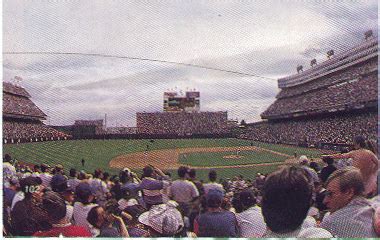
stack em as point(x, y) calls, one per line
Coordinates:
point(80, 214)
point(183, 191)
point(46, 179)
point(251, 223)
point(19, 196)
point(213, 185)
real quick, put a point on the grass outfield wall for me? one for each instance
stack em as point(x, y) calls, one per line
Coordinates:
point(98, 153)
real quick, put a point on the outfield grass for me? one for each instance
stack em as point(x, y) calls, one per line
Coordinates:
point(203, 159)
point(98, 153)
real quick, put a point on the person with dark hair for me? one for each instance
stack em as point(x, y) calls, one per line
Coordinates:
point(28, 216)
point(366, 161)
point(130, 184)
point(287, 197)
point(55, 206)
point(216, 222)
point(83, 204)
point(73, 180)
point(183, 191)
point(152, 183)
point(212, 184)
point(327, 170)
point(98, 187)
point(45, 175)
point(107, 223)
point(351, 215)
point(193, 178)
point(248, 214)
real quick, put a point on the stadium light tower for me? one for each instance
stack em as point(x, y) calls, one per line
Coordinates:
point(330, 53)
point(368, 34)
point(299, 68)
point(313, 62)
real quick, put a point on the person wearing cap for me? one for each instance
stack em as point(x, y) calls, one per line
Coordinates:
point(212, 184)
point(248, 214)
point(59, 184)
point(28, 216)
point(287, 198)
point(55, 206)
point(351, 215)
point(183, 191)
point(164, 220)
point(365, 160)
point(83, 204)
point(216, 222)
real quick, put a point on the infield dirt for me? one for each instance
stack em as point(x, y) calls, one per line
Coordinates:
point(168, 158)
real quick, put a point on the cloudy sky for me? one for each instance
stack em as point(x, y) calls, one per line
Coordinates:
point(261, 38)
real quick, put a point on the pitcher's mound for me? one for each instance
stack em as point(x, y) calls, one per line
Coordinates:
point(233, 157)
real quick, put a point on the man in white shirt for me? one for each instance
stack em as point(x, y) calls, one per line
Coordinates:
point(351, 215)
point(183, 191)
point(212, 176)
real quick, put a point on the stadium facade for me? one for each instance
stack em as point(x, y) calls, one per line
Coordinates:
point(22, 119)
point(326, 105)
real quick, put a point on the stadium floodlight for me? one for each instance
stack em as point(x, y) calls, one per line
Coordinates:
point(299, 68)
point(368, 34)
point(313, 62)
point(330, 53)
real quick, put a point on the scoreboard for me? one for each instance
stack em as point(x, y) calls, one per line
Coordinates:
point(174, 102)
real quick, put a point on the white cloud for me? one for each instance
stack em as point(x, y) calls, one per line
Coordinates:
point(267, 38)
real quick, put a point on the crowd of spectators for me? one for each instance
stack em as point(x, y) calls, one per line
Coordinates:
point(343, 96)
point(19, 105)
point(29, 131)
point(350, 73)
point(182, 123)
point(306, 199)
point(364, 51)
point(336, 130)
point(15, 90)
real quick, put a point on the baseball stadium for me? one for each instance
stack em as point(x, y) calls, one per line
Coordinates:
point(316, 111)
point(184, 171)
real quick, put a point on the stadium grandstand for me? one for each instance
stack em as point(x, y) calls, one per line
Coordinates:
point(182, 118)
point(22, 119)
point(326, 105)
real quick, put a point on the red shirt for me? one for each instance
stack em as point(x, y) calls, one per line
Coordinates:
point(65, 231)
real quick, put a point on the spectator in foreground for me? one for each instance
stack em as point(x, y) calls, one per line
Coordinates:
point(287, 197)
point(216, 222)
point(327, 170)
point(212, 176)
point(28, 216)
point(351, 215)
point(249, 217)
point(55, 207)
point(183, 191)
point(84, 203)
point(164, 220)
point(107, 223)
point(151, 185)
point(366, 161)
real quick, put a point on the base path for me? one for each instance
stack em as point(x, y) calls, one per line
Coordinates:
point(168, 158)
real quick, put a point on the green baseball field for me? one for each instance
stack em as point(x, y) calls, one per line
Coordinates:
point(230, 157)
